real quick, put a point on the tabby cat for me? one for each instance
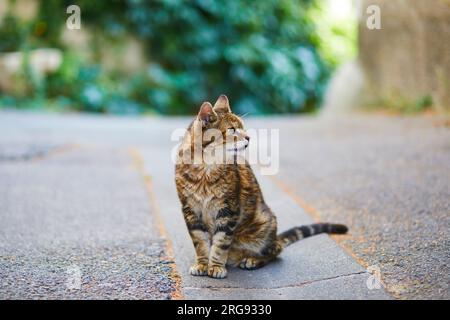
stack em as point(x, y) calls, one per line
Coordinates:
point(222, 204)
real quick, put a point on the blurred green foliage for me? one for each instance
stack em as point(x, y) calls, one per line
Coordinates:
point(336, 28)
point(12, 34)
point(263, 54)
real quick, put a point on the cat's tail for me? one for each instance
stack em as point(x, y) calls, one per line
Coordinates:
point(295, 234)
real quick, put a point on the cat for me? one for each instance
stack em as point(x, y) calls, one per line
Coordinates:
point(222, 203)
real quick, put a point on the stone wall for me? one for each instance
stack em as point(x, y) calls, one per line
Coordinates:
point(409, 58)
point(24, 9)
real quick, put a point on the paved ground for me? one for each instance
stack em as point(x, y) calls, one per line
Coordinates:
point(76, 222)
point(389, 179)
point(98, 192)
point(317, 268)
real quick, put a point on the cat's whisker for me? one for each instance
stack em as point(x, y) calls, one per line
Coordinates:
point(244, 115)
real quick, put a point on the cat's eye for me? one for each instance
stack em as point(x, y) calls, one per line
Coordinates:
point(232, 129)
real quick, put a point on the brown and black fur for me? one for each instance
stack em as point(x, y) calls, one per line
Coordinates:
point(223, 206)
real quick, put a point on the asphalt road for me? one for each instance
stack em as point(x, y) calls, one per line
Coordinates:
point(97, 193)
point(386, 177)
point(76, 223)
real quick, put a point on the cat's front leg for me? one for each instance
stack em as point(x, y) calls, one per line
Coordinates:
point(200, 238)
point(225, 224)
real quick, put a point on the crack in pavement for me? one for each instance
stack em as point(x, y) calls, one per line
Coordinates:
point(281, 287)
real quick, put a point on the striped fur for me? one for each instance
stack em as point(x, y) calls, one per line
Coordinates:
point(223, 206)
point(295, 234)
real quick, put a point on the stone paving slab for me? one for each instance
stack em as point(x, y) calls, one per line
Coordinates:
point(340, 288)
point(312, 260)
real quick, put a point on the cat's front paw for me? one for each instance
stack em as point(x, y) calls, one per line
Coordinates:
point(217, 272)
point(199, 269)
point(249, 264)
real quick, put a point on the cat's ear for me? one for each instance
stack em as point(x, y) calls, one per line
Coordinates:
point(222, 104)
point(206, 114)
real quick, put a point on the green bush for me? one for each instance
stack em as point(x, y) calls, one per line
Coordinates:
point(262, 54)
point(12, 34)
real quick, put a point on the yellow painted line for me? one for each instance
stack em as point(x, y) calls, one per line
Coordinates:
point(312, 211)
point(139, 165)
point(302, 203)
